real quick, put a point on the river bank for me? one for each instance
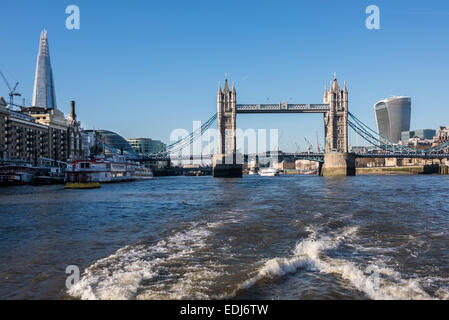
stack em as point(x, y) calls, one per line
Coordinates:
point(427, 169)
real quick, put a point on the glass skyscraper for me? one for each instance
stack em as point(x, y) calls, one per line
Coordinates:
point(393, 117)
point(44, 87)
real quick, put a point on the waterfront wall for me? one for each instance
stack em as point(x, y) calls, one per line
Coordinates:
point(425, 169)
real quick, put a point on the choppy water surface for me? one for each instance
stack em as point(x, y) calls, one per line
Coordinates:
point(289, 237)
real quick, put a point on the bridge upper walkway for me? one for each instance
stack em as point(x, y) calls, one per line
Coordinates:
point(282, 108)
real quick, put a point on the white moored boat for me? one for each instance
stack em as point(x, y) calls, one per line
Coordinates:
point(269, 172)
point(143, 173)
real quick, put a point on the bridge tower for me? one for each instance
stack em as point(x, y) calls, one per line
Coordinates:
point(226, 164)
point(337, 160)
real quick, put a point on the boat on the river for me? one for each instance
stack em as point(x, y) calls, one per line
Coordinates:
point(100, 170)
point(81, 185)
point(48, 175)
point(310, 172)
point(24, 174)
point(16, 175)
point(143, 173)
point(269, 172)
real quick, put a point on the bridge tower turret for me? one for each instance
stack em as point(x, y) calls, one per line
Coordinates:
point(337, 159)
point(225, 161)
point(226, 108)
point(336, 128)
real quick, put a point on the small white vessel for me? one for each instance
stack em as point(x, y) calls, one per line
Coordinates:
point(252, 172)
point(269, 172)
point(143, 173)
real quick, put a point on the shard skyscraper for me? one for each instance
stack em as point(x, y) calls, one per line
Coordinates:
point(44, 87)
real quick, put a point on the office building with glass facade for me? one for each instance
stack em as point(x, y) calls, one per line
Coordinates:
point(393, 117)
point(426, 134)
point(147, 146)
point(108, 142)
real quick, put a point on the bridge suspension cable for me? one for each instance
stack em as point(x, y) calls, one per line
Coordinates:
point(385, 144)
point(188, 140)
point(174, 147)
point(193, 135)
point(439, 149)
point(375, 138)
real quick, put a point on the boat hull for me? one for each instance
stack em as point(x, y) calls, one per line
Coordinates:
point(88, 185)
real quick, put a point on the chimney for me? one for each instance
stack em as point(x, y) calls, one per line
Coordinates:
point(72, 111)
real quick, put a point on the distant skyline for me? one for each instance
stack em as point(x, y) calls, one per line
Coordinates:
point(144, 68)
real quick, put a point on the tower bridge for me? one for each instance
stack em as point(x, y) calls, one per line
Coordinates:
point(336, 159)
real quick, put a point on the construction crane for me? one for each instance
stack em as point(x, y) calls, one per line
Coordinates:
point(309, 149)
point(12, 91)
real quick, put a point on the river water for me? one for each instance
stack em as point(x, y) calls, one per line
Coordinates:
point(288, 237)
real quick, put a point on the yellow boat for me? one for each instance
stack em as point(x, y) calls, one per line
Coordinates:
point(87, 185)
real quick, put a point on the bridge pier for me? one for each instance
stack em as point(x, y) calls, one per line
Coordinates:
point(338, 164)
point(444, 169)
point(221, 169)
point(337, 160)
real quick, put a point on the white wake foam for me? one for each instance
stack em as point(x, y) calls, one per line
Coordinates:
point(377, 282)
point(119, 276)
point(178, 267)
point(166, 270)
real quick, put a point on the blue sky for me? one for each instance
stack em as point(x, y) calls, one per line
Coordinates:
point(145, 68)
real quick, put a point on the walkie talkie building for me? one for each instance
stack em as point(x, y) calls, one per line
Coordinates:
point(393, 117)
point(44, 88)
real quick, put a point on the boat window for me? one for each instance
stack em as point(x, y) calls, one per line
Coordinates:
point(85, 165)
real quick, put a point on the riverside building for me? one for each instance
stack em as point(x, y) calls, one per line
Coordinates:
point(442, 135)
point(64, 134)
point(147, 146)
point(37, 133)
point(107, 143)
point(426, 134)
point(40, 131)
point(21, 137)
point(393, 117)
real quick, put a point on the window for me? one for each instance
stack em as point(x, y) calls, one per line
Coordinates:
point(85, 165)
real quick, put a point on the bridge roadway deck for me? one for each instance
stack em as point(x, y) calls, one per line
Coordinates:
point(293, 155)
point(282, 108)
